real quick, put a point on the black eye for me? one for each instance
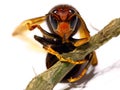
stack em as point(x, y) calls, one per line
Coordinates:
point(55, 11)
point(73, 21)
point(71, 11)
point(54, 22)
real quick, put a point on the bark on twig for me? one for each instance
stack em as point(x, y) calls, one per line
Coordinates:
point(48, 79)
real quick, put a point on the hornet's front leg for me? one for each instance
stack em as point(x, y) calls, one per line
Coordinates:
point(29, 24)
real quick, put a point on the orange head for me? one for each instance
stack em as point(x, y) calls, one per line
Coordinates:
point(63, 21)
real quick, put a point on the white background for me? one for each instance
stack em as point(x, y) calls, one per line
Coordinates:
point(20, 61)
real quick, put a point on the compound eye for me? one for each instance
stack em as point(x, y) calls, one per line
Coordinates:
point(73, 22)
point(53, 22)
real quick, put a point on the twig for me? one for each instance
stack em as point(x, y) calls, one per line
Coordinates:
point(48, 79)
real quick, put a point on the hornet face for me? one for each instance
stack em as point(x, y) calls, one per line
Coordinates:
point(63, 21)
